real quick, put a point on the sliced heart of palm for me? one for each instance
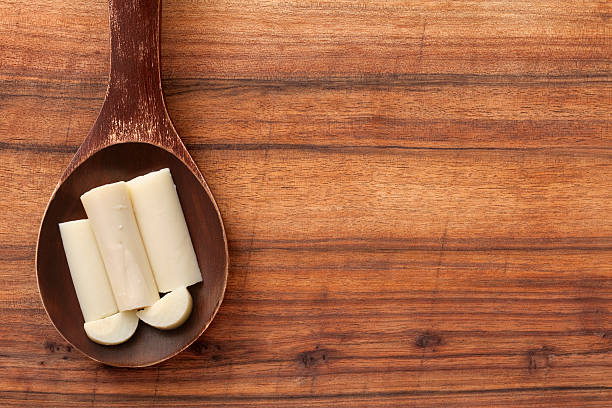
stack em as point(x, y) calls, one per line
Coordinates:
point(114, 329)
point(170, 311)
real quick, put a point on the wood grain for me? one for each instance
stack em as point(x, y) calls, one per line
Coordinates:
point(417, 198)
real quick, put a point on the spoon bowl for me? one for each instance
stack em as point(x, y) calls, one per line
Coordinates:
point(132, 136)
point(148, 345)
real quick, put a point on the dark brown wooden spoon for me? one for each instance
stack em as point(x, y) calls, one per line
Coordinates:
point(132, 135)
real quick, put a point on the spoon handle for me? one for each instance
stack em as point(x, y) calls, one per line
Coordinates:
point(134, 98)
point(134, 109)
point(134, 81)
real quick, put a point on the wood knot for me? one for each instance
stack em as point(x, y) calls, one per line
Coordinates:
point(539, 358)
point(204, 348)
point(54, 347)
point(428, 340)
point(312, 358)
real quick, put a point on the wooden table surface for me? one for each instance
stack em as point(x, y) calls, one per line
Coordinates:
point(417, 196)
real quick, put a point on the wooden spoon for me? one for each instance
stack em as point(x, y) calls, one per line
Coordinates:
point(132, 135)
